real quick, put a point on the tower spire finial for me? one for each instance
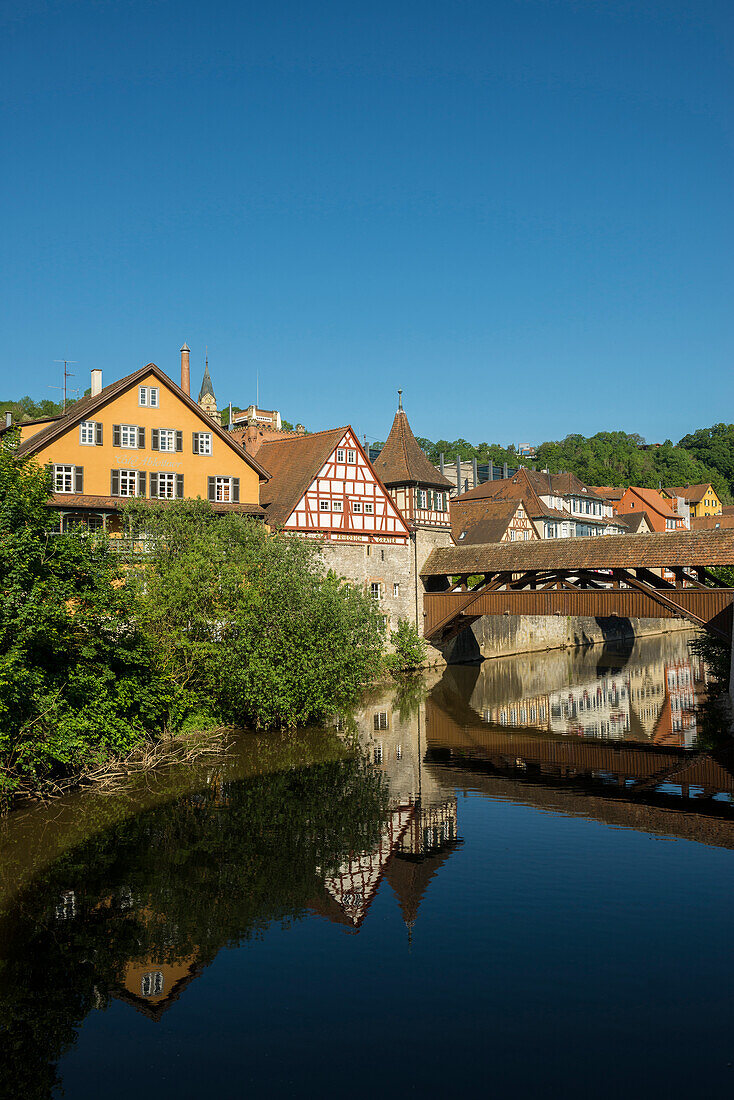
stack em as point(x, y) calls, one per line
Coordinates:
point(400, 399)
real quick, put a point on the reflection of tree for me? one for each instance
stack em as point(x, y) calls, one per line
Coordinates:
point(182, 880)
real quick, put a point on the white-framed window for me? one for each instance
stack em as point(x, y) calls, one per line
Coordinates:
point(223, 489)
point(357, 507)
point(340, 454)
point(324, 505)
point(128, 435)
point(87, 432)
point(148, 397)
point(167, 486)
point(128, 483)
point(203, 443)
point(377, 754)
point(351, 456)
point(379, 720)
point(337, 506)
point(63, 479)
point(420, 498)
point(375, 590)
point(369, 508)
point(166, 439)
point(151, 984)
point(396, 589)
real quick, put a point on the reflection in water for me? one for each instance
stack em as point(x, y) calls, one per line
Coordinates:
point(127, 901)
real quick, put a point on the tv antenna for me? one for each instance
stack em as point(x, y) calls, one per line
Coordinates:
point(67, 374)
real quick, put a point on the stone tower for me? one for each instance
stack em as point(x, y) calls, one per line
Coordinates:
point(207, 400)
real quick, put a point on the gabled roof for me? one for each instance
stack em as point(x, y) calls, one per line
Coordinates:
point(402, 462)
point(293, 463)
point(634, 520)
point(534, 482)
point(653, 501)
point(92, 402)
point(693, 493)
point(481, 520)
point(712, 523)
point(524, 486)
point(662, 549)
point(608, 492)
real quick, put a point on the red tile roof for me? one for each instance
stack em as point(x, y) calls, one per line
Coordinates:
point(659, 550)
point(482, 520)
point(402, 462)
point(692, 494)
point(293, 463)
point(652, 499)
point(70, 502)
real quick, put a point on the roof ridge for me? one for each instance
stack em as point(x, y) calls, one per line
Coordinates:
point(307, 435)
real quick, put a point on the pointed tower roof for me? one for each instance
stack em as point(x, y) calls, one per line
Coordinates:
point(402, 462)
point(207, 389)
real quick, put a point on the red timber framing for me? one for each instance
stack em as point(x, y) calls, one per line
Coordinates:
point(623, 575)
point(347, 502)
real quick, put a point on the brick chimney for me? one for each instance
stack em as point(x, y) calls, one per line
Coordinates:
point(185, 375)
point(96, 382)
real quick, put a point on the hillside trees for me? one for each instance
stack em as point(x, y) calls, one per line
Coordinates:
point(714, 447)
point(616, 458)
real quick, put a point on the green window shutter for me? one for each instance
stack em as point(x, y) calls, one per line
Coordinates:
point(98, 434)
point(78, 479)
point(141, 483)
point(211, 488)
point(115, 435)
point(195, 442)
point(141, 439)
point(179, 441)
point(154, 437)
point(179, 486)
point(115, 483)
point(154, 485)
point(236, 490)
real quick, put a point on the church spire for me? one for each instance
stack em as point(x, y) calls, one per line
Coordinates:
point(207, 389)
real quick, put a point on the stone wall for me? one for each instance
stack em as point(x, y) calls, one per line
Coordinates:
point(502, 635)
point(395, 568)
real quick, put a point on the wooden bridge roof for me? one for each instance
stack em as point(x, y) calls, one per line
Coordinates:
point(659, 550)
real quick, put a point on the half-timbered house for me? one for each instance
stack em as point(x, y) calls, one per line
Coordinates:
point(324, 485)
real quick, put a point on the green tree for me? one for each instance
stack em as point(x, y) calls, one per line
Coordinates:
point(79, 680)
point(251, 621)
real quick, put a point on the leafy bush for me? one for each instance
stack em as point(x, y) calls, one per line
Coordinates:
point(409, 649)
point(250, 621)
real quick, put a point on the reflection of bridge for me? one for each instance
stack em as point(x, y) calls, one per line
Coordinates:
point(659, 575)
point(637, 774)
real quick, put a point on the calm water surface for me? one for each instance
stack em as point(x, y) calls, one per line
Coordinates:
point(514, 878)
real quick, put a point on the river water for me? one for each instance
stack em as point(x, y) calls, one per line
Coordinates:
point(514, 878)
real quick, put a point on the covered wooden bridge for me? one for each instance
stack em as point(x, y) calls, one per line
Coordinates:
point(630, 576)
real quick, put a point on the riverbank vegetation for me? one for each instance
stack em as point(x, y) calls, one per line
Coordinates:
point(207, 614)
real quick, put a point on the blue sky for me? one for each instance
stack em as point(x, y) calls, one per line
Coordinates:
point(517, 210)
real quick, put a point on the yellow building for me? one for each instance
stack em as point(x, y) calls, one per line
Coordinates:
point(140, 436)
point(701, 499)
